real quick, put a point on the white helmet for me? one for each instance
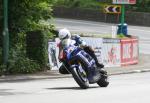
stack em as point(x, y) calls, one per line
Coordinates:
point(64, 34)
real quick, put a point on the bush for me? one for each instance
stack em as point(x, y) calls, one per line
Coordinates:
point(22, 65)
point(36, 48)
point(24, 15)
point(121, 36)
point(0, 55)
point(2, 69)
point(18, 63)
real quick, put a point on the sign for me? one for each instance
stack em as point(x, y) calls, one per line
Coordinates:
point(129, 51)
point(114, 31)
point(96, 44)
point(52, 54)
point(113, 9)
point(111, 52)
point(124, 1)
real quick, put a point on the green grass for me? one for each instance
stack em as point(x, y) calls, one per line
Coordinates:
point(101, 35)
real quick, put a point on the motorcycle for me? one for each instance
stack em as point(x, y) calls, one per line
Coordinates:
point(82, 67)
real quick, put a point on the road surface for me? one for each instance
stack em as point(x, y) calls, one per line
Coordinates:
point(127, 88)
point(99, 28)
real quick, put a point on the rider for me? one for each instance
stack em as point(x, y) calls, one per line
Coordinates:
point(64, 35)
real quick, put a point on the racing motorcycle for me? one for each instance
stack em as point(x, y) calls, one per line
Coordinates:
point(82, 67)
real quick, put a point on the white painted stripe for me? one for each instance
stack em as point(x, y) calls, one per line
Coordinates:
point(82, 22)
point(93, 23)
point(139, 30)
point(1, 96)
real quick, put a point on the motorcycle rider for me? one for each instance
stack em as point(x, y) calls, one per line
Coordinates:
point(64, 36)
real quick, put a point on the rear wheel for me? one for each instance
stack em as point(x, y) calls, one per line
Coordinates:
point(80, 76)
point(103, 82)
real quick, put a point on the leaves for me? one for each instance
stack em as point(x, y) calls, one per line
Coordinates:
point(141, 5)
point(26, 13)
point(24, 16)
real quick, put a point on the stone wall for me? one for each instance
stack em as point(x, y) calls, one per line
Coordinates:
point(132, 18)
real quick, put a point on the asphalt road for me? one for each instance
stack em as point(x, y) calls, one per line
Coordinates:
point(99, 28)
point(127, 88)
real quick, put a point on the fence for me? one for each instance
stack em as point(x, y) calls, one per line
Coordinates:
point(110, 52)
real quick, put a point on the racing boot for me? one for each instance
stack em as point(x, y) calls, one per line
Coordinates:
point(93, 75)
point(99, 65)
point(101, 68)
point(103, 71)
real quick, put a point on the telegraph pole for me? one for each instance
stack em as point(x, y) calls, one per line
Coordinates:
point(5, 33)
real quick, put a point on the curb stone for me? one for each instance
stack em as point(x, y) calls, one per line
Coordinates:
point(130, 72)
point(28, 78)
point(143, 66)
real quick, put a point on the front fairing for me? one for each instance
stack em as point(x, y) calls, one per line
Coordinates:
point(71, 51)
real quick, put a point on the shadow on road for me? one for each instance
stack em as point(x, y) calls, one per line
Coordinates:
point(70, 88)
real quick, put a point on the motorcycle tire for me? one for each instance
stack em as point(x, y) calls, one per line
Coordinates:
point(103, 82)
point(84, 84)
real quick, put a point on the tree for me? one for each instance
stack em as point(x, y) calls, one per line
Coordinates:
point(24, 15)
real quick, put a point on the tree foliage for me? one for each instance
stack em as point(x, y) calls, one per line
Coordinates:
point(140, 6)
point(24, 16)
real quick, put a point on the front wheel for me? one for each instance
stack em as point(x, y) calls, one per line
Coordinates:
point(103, 82)
point(80, 77)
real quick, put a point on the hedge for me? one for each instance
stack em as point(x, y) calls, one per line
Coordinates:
point(36, 47)
point(24, 16)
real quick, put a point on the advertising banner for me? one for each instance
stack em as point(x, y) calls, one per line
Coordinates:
point(129, 51)
point(53, 51)
point(52, 54)
point(111, 52)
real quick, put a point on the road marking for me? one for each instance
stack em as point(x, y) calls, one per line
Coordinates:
point(1, 96)
point(81, 22)
point(79, 31)
point(139, 30)
point(86, 23)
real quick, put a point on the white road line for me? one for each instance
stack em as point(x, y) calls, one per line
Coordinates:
point(139, 30)
point(80, 22)
point(88, 23)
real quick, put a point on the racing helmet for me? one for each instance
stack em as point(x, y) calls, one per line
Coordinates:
point(64, 34)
